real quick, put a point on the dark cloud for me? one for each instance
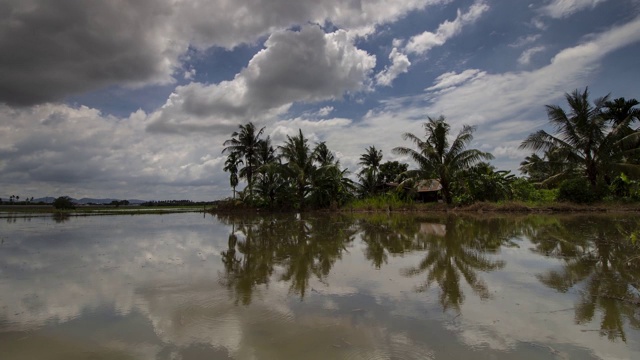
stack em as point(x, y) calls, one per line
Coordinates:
point(51, 49)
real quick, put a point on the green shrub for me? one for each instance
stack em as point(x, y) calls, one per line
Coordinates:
point(578, 191)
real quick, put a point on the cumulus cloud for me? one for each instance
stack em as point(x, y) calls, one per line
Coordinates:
point(56, 149)
point(399, 65)
point(525, 57)
point(559, 9)
point(55, 49)
point(295, 66)
point(421, 44)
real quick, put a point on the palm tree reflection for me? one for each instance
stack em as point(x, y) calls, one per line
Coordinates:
point(301, 248)
point(459, 251)
point(602, 264)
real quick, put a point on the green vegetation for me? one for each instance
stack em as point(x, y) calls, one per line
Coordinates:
point(63, 203)
point(593, 156)
point(437, 158)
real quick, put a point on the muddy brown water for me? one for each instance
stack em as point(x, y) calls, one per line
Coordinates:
point(188, 286)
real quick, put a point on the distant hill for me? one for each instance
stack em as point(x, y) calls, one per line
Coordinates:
point(50, 199)
point(104, 201)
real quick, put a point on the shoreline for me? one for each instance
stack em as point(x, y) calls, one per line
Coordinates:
point(13, 211)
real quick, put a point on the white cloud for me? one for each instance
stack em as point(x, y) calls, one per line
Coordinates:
point(60, 150)
point(303, 66)
point(558, 9)
point(525, 57)
point(399, 64)
point(501, 103)
point(495, 95)
point(420, 44)
point(325, 111)
point(525, 40)
point(68, 47)
point(452, 79)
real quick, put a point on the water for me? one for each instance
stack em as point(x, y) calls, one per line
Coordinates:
point(184, 286)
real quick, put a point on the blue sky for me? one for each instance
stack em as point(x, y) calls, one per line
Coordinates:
point(134, 98)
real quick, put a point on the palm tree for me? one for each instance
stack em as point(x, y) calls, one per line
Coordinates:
point(371, 159)
point(231, 165)
point(584, 137)
point(323, 155)
point(369, 178)
point(270, 180)
point(330, 184)
point(620, 110)
point(436, 157)
point(623, 113)
point(299, 165)
point(245, 144)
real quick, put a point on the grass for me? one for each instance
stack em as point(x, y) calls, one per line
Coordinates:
point(380, 204)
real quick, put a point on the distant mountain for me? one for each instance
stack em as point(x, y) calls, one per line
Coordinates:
point(47, 200)
point(50, 199)
point(105, 201)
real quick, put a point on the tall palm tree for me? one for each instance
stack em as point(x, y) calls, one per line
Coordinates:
point(437, 157)
point(231, 166)
point(245, 143)
point(269, 172)
point(371, 159)
point(299, 164)
point(585, 137)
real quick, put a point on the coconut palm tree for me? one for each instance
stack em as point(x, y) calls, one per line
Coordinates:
point(231, 166)
point(437, 157)
point(371, 159)
point(323, 155)
point(620, 110)
point(585, 137)
point(245, 144)
point(299, 166)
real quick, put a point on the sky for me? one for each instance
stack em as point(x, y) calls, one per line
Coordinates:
point(134, 98)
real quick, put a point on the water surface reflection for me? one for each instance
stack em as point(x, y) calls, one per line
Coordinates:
point(319, 286)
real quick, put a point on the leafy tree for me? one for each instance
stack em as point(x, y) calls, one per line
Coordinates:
point(584, 137)
point(63, 203)
point(482, 182)
point(393, 171)
point(436, 157)
point(245, 143)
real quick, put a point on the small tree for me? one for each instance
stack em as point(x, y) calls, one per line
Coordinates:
point(63, 203)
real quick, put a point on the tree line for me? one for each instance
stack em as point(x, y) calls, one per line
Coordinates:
point(594, 152)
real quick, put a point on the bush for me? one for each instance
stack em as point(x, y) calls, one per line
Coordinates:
point(63, 203)
point(578, 191)
point(524, 190)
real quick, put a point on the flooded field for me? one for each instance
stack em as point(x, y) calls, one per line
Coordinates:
point(188, 286)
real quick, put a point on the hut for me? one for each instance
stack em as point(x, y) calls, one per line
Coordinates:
point(428, 190)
